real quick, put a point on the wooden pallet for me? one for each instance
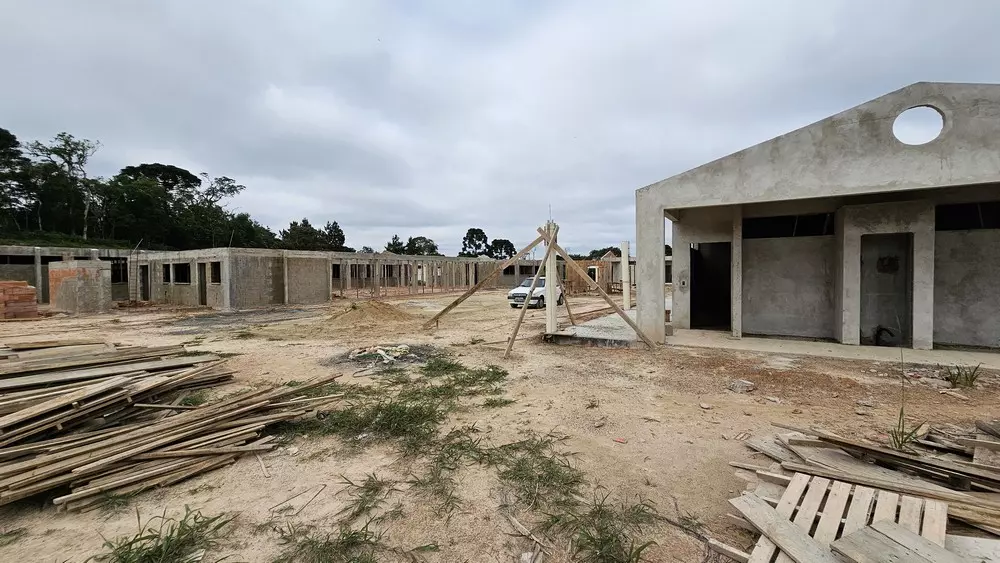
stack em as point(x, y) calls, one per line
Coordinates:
point(832, 509)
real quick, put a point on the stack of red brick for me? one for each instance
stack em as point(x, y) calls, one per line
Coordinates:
point(17, 300)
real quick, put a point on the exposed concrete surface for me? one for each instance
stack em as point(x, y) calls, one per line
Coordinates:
point(967, 288)
point(716, 339)
point(256, 280)
point(853, 152)
point(80, 286)
point(308, 280)
point(788, 286)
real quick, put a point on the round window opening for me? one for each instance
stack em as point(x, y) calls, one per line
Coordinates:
point(918, 126)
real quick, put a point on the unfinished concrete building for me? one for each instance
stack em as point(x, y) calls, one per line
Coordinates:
point(31, 264)
point(240, 278)
point(839, 230)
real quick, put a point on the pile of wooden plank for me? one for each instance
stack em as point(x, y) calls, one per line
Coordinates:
point(825, 493)
point(87, 420)
point(18, 300)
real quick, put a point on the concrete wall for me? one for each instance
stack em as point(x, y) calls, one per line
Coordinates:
point(788, 286)
point(967, 288)
point(853, 152)
point(695, 226)
point(82, 286)
point(309, 280)
point(256, 280)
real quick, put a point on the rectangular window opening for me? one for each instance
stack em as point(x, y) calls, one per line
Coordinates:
point(215, 275)
point(812, 225)
point(182, 273)
point(967, 216)
point(166, 273)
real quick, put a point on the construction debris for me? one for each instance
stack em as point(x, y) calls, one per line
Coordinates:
point(871, 503)
point(87, 423)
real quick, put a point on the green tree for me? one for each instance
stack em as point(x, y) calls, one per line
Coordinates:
point(367, 250)
point(247, 233)
point(421, 246)
point(13, 168)
point(334, 238)
point(302, 236)
point(395, 245)
point(475, 243)
point(598, 253)
point(71, 155)
point(501, 249)
point(667, 250)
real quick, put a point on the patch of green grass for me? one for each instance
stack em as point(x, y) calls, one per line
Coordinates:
point(962, 375)
point(538, 474)
point(195, 399)
point(347, 545)
point(11, 536)
point(497, 402)
point(366, 495)
point(369, 420)
point(167, 540)
point(438, 366)
point(604, 531)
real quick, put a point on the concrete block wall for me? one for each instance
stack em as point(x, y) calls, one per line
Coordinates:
point(80, 286)
point(308, 280)
point(256, 280)
point(967, 288)
point(788, 286)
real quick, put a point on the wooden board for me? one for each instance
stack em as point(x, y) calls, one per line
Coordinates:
point(771, 448)
point(791, 539)
point(862, 505)
point(91, 373)
point(886, 542)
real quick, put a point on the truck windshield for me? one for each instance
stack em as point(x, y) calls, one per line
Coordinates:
point(527, 283)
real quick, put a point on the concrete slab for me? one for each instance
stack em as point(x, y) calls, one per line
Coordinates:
point(606, 332)
point(715, 339)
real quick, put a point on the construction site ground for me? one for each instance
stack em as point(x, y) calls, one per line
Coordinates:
point(661, 424)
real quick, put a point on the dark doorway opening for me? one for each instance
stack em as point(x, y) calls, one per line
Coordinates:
point(711, 297)
point(202, 285)
point(887, 289)
point(144, 283)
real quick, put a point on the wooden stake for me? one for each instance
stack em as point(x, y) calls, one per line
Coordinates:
point(531, 293)
point(484, 281)
point(565, 300)
point(576, 267)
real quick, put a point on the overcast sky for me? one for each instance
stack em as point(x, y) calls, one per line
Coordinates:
point(430, 117)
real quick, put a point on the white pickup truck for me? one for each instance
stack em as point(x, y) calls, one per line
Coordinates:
point(516, 296)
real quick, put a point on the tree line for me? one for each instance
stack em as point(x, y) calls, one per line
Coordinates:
point(47, 197)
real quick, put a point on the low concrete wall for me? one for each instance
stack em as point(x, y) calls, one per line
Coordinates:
point(256, 280)
point(80, 286)
point(308, 280)
point(967, 288)
point(788, 286)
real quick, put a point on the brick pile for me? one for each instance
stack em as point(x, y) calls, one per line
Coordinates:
point(17, 300)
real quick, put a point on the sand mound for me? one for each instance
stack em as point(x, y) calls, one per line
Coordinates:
point(368, 312)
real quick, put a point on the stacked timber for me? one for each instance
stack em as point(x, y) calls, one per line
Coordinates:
point(18, 300)
point(826, 492)
point(99, 420)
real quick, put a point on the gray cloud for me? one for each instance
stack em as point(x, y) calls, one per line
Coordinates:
point(426, 118)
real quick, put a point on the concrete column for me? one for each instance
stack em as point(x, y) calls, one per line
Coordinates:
point(329, 279)
point(38, 274)
point(923, 287)
point(284, 274)
point(225, 270)
point(649, 223)
point(626, 278)
point(736, 277)
point(551, 283)
point(95, 254)
point(377, 278)
point(847, 281)
point(346, 275)
point(414, 286)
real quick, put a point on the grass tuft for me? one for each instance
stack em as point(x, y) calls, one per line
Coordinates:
point(195, 399)
point(167, 540)
point(111, 504)
point(366, 495)
point(12, 535)
point(497, 402)
point(603, 532)
point(962, 375)
point(538, 474)
point(438, 366)
point(348, 545)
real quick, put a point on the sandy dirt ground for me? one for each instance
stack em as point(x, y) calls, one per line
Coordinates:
point(663, 428)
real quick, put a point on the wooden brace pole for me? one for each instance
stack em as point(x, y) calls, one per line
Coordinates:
point(576, 268)
point(484, 281)
point(531, 292)
point(565, 300)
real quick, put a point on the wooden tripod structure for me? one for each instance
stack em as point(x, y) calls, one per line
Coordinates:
point(551, 246)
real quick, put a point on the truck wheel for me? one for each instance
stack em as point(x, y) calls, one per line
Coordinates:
point(541, 303)
point(513, 305)
point(560, 301)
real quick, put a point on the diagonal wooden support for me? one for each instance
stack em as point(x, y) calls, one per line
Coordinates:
point(576, 267)
point(496, 272)
point(531, 293)
point(565, 300)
